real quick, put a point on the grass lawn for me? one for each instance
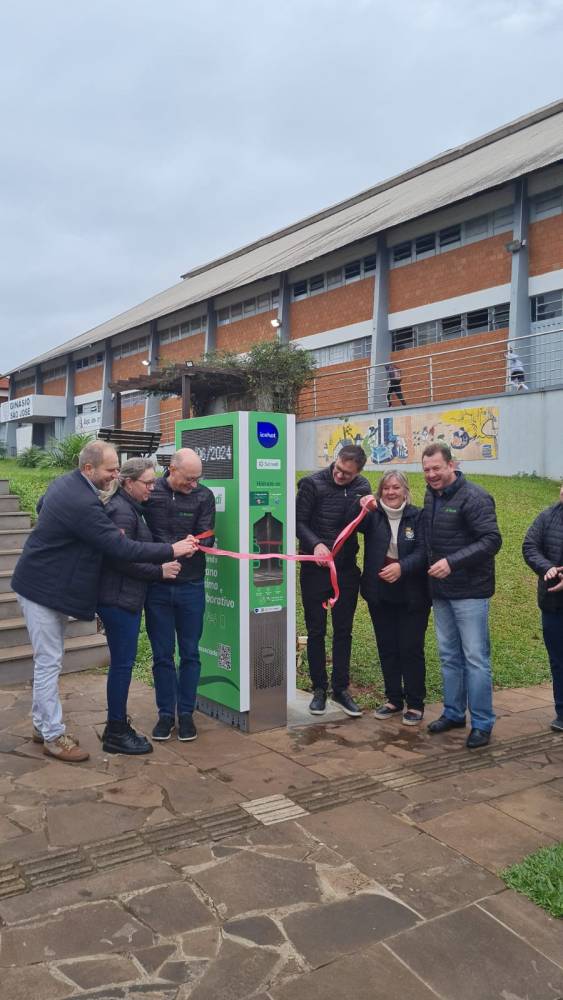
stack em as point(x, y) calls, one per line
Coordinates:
point(518, 653)
point(540, 877)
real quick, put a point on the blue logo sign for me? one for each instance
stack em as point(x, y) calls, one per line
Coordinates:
point(267, 434)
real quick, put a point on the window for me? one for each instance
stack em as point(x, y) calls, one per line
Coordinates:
point(236, 312)
point(94, 407)
point(263, 303)
point(547, 306)
point(353, 271)
point(547, 204)
point(451, 327)
point(223, 316)
point(240, 310)
point(369, 263)
point(52, 373)
point(316, 284)
point(425, 246)
point(26, 383)
point(300, 290)
point(351, 350)
point(90, 362)
point(131, 347)
point(451, 237)
point(249, 307)
point(133, 399)
point(478, 321)
point(334, 277)
point(187, 329)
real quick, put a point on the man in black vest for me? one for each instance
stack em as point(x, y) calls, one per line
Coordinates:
point(462, 539)
point(57, 576)
point(326, 502)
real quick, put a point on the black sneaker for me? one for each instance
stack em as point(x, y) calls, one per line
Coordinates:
point(186, 728)
point(120, 737)
point(164, 728)
point(318, 703)
point(557, 725)
point(346, 703)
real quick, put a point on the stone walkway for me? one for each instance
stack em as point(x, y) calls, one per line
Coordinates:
point(369, 871)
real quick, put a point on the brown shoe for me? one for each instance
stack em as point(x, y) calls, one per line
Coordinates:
point(64, 748)
point(37, 737)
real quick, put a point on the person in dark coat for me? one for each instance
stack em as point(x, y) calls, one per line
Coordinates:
point(326, 502)
point(395, 585)
point(175, 608)
point(57, 575)
point(123, 588)
point(543, 551)
point(462, 539)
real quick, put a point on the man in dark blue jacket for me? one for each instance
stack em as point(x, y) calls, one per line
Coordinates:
point(462, 539)
point(174, 609)
point(57, 575)
point(543, 551)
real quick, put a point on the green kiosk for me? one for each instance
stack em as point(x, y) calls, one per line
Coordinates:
point(248, 643)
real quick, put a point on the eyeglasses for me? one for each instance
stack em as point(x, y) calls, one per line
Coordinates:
point(193, 479)
point(149, 483)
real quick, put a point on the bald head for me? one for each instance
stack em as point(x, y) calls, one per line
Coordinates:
point(185, 470)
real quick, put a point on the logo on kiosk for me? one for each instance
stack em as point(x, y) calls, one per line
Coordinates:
point(268, 434)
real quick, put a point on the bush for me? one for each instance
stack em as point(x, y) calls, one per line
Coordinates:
point(64, 454)
point(30, 458)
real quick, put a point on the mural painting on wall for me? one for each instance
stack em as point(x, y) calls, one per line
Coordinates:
point(471, 433)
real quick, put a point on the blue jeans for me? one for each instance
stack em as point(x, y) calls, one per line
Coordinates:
point(175, 610)
point(552, 622)
point(462, 631)
point(122, 633)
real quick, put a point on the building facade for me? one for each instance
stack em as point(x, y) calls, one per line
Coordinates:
point(422, 280)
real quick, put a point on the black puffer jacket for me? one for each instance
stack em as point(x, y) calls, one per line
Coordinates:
point(462, 529)
point(412, 586)
point(542, 549)
point(124, 584)
point(324, 509)
point(172, 515)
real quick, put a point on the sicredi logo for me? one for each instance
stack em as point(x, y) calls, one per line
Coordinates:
point(267, 434)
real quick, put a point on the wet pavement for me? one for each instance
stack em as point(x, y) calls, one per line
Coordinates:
point(349, 858)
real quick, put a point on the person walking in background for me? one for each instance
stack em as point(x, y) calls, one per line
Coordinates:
point(395, 585)
point(326, 502)
point(394, 376)
point(543, 552)
point(462, 539)
point(122, 592)
point(57, 575)
point(516, 371)
point(174, 607)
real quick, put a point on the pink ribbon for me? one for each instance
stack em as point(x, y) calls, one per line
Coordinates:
point(329, 561)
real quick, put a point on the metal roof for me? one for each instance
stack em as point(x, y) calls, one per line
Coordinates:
point(521, 147)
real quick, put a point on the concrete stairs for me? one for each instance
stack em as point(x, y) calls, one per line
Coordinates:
point(84, 646)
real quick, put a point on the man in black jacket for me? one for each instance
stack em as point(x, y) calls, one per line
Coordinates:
point(462, 539)
point(174, 609)
point(57, 575)
point(543, 551)
point(326, 502)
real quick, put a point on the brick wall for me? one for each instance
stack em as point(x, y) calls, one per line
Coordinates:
point(331, 310)
point(170, 412)
point(88, 380)
point(457, 272)
point(243, 334)
point(55, 387)
point(128, 367)
point(545, 240)
point(188, 349)
point(338, 389)
point(468, 367)
point(133, 417)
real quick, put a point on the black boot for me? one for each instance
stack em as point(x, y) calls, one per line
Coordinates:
point(120, 737)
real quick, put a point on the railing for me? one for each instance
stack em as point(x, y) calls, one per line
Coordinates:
point(448, 373)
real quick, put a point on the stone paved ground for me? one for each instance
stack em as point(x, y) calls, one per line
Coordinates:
point(124, 879)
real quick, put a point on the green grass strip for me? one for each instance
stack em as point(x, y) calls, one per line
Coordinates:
point(540, 877)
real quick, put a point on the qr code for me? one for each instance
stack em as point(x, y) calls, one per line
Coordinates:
point(224, 657)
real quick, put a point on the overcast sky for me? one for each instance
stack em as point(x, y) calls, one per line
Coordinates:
point(142, 138)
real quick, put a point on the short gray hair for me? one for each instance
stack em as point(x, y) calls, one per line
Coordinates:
point(133, 468)
point(93, 454)
point(400, 477)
